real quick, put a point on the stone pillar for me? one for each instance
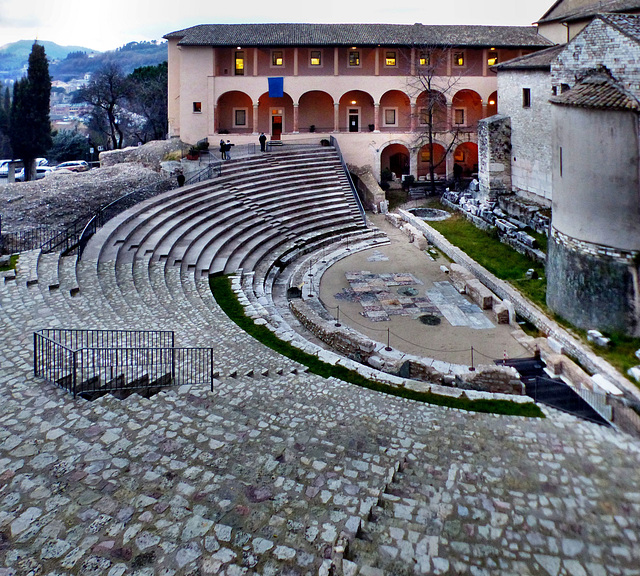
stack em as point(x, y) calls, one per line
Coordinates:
point(336, 116)
point(413, 162)
point(484, 109)
point(377, 62)
point(216, 120)
point(255, 118)
point(494, 156)
point(449, 117)
point(414, 117)
point(376, 117)
point(295, 61)
point(413, 62)
point(296, 108)
point(255, 61)
point(336, 65)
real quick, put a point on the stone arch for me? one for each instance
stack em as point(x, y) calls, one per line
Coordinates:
point(267, 107)
point(437, 101)
point(233, 108)
point(466, 110)
point(439, 161)
point(363, 103)
point(492, 104)
point(395, 112)
point(466, 156)
point(315, 109)
point(396, 157)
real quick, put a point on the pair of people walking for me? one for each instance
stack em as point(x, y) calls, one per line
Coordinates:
point(225, 149)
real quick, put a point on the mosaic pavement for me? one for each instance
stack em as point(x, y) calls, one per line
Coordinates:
point(380, 298)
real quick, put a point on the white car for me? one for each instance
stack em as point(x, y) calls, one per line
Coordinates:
point(41, 172)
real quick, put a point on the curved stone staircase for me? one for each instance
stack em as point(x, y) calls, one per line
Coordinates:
point(277, 471)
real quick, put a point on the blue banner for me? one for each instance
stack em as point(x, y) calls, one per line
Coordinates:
point(276, 87)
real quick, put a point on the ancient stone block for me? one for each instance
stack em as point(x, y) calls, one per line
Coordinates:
point(459, 276)
point(480, 294)
point(502, 313)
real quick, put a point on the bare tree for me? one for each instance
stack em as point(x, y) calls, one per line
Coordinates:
point(429, 83)
point(107, 92)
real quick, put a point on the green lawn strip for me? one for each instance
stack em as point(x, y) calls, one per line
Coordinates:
point(500, 259)
point(12, 264)
point(511, 266)
point(227, 300)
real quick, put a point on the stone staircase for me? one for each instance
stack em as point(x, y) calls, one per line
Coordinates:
point(277, 471)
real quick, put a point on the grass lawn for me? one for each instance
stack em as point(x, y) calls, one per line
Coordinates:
point(226, 299)
point(500, 259)
point(12, 264)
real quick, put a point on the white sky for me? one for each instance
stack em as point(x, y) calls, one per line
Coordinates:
point(108, 24)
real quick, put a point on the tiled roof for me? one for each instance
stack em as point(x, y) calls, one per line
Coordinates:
point(628, 24)
point(564, 11)
point(540, 60)
point(597, 91)
point(357, 34)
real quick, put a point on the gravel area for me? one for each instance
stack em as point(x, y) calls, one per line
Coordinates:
point(63, 197)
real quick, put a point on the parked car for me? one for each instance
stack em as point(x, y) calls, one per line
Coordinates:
point(41, 172)
point(4, 168)
point(74, 166)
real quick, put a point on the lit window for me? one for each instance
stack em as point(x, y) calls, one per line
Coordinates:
point(277, 58)
point(493, 58)
point(239, 64)
point(390, 59)
point(458, 58)
point(458, 116)
point(197, 107)
point(354, 58)
point(390, 116)
point(316, 58)
point(425, 59)
point(240, 117)
point(526, 97)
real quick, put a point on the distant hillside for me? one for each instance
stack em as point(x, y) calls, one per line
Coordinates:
point(15, 56)
point(68, 62)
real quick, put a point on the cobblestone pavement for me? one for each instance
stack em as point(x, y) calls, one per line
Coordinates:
point(286, 474)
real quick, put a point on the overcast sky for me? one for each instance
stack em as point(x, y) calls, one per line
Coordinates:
point(108, 24)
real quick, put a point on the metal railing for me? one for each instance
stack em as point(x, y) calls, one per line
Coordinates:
point(112, 361)
point(335, 144)
point(14, 242)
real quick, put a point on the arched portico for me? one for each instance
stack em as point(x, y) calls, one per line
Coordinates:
point(397, 158)
point(394, 113)
point(275, 115)
point(355, 112)
point(466, 156)
point(492, 105)
point(466, 110)
point(234, 113)
point(431, 106)
point(315, 109)
point(425, 158)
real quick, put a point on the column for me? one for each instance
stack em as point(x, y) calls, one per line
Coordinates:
point(414, 117)
point(413, 162)
point(376, 117)
point(336, 116)
point(336, 65)
point(449, 116)
point(295, 61)
point(377, 64)
point(255, 61)
point(216, 120)
point(255, 118)
point(484, 109)
point(413, 62)
point(295, 118)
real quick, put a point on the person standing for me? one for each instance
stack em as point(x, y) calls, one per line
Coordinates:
point(227, 150)
point(223, 149)
point(263, 142)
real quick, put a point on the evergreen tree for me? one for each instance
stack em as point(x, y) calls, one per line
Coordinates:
point(30, 127)
point(5, 111)
point(148, 98)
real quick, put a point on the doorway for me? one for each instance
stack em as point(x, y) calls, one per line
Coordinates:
point(353, 119)
point(277, 122)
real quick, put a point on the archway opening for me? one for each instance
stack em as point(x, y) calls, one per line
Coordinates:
point(395, 158)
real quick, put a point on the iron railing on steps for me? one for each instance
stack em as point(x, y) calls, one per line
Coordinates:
point(95, 362)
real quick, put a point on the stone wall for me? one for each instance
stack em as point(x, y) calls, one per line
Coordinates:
point(494, 156)
point(592, 290)
point(355, 346)
point(530, 131)
point(598, 45)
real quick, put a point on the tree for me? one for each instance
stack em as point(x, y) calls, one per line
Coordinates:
point(107, 92)
point(148, 98)
point(5, 114)
point(430, 84)
point(30, 127)
point(68, 145)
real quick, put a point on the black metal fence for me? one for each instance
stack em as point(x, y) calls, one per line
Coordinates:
point(111, 361)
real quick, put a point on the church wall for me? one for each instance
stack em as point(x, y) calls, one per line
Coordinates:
point(531, 131)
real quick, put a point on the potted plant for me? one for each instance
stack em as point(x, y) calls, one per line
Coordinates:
point(193, 153)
